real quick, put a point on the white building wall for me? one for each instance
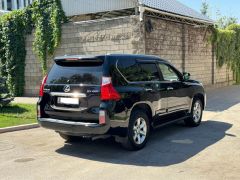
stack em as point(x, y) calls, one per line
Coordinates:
point(3, 5)
point(15, 4)
point(78, 7)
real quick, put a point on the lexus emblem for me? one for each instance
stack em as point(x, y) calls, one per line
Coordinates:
point(67, 88)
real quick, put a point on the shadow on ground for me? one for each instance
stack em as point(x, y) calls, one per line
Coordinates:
point(222, 99)
point(167, 146)
point(13, 109)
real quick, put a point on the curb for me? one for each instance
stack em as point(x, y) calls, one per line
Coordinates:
point(19, 128)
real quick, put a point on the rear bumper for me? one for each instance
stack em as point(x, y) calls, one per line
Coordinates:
point(74, 128)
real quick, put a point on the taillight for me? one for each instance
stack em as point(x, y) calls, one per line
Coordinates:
point(41, 91)
point(107, 90)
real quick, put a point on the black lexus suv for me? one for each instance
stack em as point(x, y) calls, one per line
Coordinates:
point(124, 96)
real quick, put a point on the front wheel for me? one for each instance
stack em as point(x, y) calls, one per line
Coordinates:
point(195, 118)
point(138, 131)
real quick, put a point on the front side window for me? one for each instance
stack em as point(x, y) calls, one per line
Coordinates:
point(168, 73)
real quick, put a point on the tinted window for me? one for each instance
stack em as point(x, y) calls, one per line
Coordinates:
point(130, 70)
point(149, 72)
point(72, 74)
point(134, 72)
point(168, 73)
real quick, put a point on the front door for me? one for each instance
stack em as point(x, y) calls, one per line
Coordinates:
point(177, 97)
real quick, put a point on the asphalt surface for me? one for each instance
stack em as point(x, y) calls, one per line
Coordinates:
point(211, 151)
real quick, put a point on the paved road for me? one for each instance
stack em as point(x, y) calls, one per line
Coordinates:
point(25, 100)
point(211, 151)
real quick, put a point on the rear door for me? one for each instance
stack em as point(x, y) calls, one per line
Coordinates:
point(73, 90)
point(151, 74)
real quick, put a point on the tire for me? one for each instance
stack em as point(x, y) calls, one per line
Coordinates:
point(68, 138)
point(138, 131)
point(195, 118)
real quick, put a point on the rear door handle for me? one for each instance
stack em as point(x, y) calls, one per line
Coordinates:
point(169, 88)
point(149, 90)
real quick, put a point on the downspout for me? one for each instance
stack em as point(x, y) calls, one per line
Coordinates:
point(141, 10)
point(141, 18)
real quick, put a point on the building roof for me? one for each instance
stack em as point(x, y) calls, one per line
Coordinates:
point(174, 7)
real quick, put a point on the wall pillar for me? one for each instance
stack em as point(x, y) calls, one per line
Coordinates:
point(213, 64)
point(183, 48)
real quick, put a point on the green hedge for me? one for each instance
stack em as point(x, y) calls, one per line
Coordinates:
point(46, 16)
point(227, 46)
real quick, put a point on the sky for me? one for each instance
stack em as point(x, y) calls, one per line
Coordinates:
point(226, 7)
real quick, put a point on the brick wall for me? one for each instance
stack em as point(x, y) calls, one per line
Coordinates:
point(188, 48)
point(184, 45)
point(96, 37)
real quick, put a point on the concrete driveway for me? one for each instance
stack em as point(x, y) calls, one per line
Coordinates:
point(211, 151)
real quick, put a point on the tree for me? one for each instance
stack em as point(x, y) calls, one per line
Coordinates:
point(205, 8)
point(5, 97)
point(224, 21)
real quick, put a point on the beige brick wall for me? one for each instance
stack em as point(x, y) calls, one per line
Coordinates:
point(165, 41)
point(180, 43)
point(198, 54)
point(169, 40)
point(100, 37)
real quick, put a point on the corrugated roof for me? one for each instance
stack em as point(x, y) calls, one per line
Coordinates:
point(175, 7)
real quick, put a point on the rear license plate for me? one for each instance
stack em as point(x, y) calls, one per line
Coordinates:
point(68, 101)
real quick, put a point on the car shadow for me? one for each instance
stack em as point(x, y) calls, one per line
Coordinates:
point(167, 146)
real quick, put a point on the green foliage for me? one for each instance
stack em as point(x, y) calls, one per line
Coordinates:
point(46, 16)
point(205, 8)
point(3, 89)
point(13, 49)
point(227, 45)
point(224, 21)
point(5, 97)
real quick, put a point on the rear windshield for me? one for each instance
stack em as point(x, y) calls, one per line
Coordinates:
point(74, 73)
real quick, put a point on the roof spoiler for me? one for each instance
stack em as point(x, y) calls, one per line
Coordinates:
point(78, 59)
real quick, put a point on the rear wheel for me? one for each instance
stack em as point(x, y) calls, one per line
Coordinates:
point(196, 114)
point(138, 131)
point(68, 138)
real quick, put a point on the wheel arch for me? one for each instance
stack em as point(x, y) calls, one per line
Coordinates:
point(146, 107)
point(201, 97)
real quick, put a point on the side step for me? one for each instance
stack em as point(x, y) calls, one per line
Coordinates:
point(155, 126)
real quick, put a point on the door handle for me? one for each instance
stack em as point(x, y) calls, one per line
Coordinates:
point(169, 88)
point(149, 90)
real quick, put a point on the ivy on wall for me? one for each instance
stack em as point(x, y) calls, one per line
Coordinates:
point(46, 16)
point(227, 46)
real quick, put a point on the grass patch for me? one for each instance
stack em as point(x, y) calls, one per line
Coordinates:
point(17, 114)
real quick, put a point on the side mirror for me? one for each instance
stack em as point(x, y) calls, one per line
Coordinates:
point(186, 76)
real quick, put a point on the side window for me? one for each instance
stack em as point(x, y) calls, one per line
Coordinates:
point(168, 73)
point(135, 72)
point(130, 70)
point(149, 72)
